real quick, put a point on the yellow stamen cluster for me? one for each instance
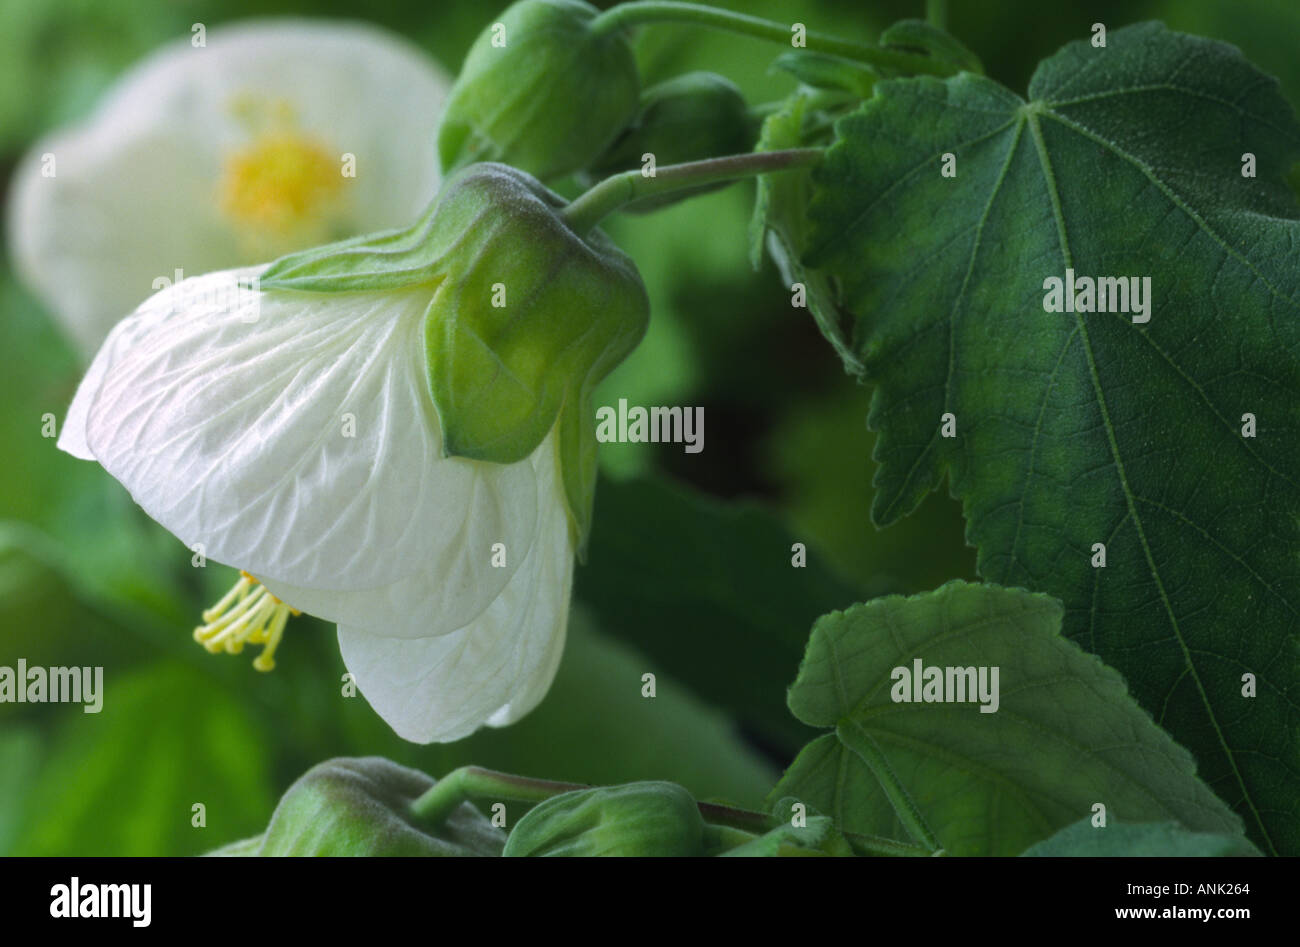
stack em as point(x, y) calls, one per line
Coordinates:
point(283, 190)
point(281, 182)
point(247, 614)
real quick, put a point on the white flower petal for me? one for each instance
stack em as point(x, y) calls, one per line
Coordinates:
point(304, 448)
point(494, 670)
point(134, 197)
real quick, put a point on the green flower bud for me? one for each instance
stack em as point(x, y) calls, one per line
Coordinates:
point(363, 807)
point(687, 118)
point(540, 90)
point(525, 316)
point(636, 819)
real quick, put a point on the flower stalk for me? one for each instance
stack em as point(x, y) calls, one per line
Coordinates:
point(669, 11)
point(728, 826)
point(591, 207)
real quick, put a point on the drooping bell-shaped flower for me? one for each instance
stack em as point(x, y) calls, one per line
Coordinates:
point(221, 150)
point(393, 433)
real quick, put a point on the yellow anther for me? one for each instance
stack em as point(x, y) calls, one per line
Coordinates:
point(282, 182)
point(247, 614)
point(283, 190)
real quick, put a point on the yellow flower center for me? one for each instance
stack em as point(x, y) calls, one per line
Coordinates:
point(283, 190)
point(247, 614)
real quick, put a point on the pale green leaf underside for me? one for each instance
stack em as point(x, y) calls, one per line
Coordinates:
point(1147, 840)
point(1083, 428)
point(1066, 734)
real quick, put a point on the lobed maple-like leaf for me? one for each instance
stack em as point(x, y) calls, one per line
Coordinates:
point(1078, 428)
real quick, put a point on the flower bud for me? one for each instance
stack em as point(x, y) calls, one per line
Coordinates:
point(363, 807)
point(646, 819)
point(540, 90)
point(687, 118)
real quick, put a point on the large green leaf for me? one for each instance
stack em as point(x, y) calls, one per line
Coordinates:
point(1064, 737)
point(1080, 428)
point(1148, 839)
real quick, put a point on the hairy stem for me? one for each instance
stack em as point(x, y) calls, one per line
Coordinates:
point(590, 208)
point(669, 11)
point(475, 782)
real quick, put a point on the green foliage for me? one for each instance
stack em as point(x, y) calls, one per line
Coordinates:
point(1071, 429)
point(125, 781)
point(1080, 428)
point(1065, 734)
point(824, 71)
point(817, 835)
point(1164, 839)
point(699, 586)
point(923, 37)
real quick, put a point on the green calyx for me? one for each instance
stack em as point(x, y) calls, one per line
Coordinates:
point(645, 819)
point(540, 90)
point(525, 316)
point(363, 807)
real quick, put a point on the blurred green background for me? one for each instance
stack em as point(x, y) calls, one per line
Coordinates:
point(688, 574)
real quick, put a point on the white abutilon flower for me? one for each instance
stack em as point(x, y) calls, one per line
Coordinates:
point(370, 440)
point(272, 136)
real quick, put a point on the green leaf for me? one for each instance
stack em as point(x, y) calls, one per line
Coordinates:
point(927, 38)
point(1149, 839)
point(825, 71)
point(124, 781)
point(1065, 735)
point(1080, 428)
point(779, 216)
point(702, 588)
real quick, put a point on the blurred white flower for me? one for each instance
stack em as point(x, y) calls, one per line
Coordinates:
point(293, 436)
point(274, 136)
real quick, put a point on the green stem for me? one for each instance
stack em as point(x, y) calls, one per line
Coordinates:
point(474, 782)
point(660, 11)
point(727, 825)
point(754, 823)
point(936, 13)
point(590, 208)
